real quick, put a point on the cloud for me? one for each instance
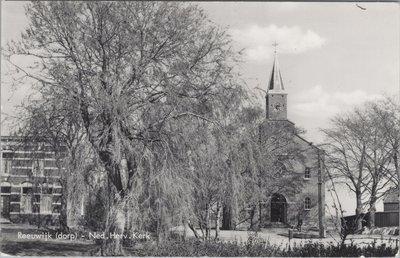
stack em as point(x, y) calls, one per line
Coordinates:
point(258, 41)
point(317, 103)
point(312, 109)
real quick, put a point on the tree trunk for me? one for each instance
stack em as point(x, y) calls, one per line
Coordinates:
point(202, 231)
point(185, 229)
point(358, 211)
point(193, 229)
point(218, 216)
point(228, 218)
point(63, 216)
point(115, 226)
point(252, 213)
point(64, 208)
point(208, 222)
point(372, 210)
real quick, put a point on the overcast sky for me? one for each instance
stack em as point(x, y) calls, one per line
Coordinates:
point(333, 56)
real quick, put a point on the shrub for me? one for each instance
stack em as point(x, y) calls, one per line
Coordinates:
point(255, 247)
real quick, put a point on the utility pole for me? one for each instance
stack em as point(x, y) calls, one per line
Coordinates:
point(398, 187)
point(321, 206)
point(397, 156)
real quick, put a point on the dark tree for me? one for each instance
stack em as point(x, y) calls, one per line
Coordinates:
point(130, 73)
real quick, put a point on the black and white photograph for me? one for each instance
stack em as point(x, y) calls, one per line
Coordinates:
point(200, 129)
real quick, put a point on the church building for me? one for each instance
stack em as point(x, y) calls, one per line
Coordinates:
point(300, 165)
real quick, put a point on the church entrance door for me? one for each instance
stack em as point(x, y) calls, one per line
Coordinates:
point(278, 208)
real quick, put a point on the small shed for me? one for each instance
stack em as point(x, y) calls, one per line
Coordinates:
point(391, 201)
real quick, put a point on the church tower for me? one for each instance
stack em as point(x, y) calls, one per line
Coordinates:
point(276, 98)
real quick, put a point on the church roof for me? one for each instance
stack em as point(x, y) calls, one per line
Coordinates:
point(276, 83)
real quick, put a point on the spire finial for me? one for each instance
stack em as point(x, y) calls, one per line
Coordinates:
point(275, 45)
point(276, 83)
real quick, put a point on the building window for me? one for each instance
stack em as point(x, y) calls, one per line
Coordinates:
point(307, 173)
point(7, 154)
point(280, 169)
point(5, 188)
point(6, 166)
point(38, 167)
point(26, 197)
point(46, 199)
point(5, 199)
point(307, 203)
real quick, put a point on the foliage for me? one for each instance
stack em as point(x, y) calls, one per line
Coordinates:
point(152, 89)
point(362, 153)
point(261, 248)
point(209, 248)
point(337, 250)
point(135, 78)
point(386, 114)
point(346, 147)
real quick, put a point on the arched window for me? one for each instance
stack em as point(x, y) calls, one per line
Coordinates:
point(307, 173)
point(5, 188)
point(280, 169)
point(26, 188)
point(307, 203)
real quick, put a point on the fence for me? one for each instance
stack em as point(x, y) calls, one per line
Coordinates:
point(387, 219)
point(382, 219)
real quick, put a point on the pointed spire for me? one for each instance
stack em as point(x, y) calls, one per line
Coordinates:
point(276, 83)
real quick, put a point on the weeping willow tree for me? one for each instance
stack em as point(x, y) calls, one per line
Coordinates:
point(132, 76)
point(262, 158)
